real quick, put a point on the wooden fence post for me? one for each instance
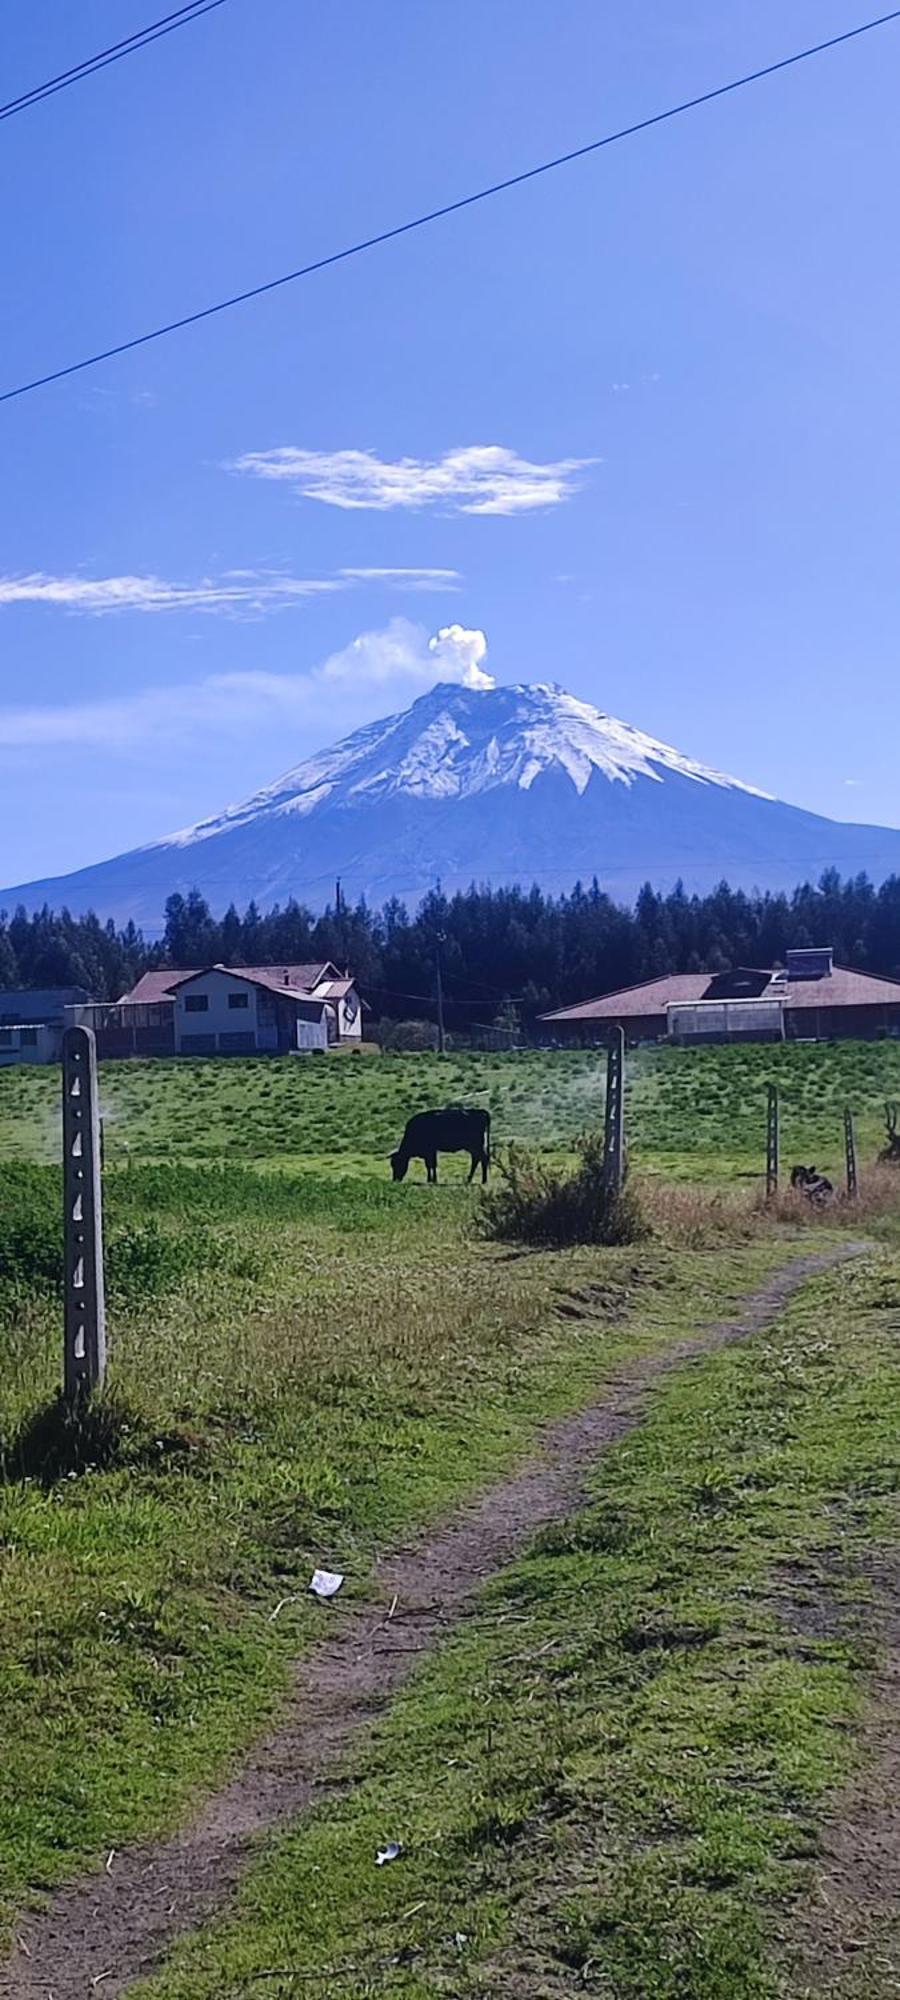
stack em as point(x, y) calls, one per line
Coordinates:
point(773, 1142)
point(850, 1154)
point(84, 1307)
point(614, 1124)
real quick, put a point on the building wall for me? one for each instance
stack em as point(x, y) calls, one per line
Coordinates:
point(596, 1033)
point(22, 1006)
point(346, 1013)
point(29, 1042)
point(825, 1024)
point(201, 1032)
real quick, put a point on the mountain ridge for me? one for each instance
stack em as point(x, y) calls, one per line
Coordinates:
point(512, 782)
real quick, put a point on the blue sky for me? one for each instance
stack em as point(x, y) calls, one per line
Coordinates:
point(685, 351)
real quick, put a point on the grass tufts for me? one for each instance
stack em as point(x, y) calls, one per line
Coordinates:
point(62, 1440)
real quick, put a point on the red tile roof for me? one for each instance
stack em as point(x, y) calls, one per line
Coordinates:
point(842, 987)
point(653, 996)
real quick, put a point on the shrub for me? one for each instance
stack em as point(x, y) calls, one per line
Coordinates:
point(551, 1206)
point(407, 1037)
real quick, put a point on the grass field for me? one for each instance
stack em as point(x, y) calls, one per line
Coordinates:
point(698, 1112)
point(305, 1365)
point(609, 1781)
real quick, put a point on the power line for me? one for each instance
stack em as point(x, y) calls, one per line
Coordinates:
point(141, 39)
point(448, 208)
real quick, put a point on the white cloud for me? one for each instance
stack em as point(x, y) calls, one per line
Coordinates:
point(235, 591)
point(476, 479)
point(407, 579)
point(400, 658)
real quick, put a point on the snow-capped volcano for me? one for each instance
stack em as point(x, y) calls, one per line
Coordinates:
point(483, 783)
point(456, 742)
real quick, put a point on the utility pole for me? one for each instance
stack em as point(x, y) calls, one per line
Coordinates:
point(439, 990)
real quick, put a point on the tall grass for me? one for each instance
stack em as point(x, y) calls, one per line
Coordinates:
point(555, 1207)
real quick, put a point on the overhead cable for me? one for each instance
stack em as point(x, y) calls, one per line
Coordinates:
point(447, 208)
point(141, 39)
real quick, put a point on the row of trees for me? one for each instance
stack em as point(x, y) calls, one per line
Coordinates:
point(496, 945)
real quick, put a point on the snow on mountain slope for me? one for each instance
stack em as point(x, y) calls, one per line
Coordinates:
point(479, 783)
point(455, 742)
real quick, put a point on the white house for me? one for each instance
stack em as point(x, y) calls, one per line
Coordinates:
point(226, 1011)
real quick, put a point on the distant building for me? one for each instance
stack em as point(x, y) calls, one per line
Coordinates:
point(230, 1010)
point(32, 1022)
point(809, 999)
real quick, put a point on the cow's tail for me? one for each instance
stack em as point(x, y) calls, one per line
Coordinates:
point(487, 1138)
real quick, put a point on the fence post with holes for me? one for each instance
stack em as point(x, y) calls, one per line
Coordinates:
point(773, 1142)
point(850, 1153)
point(614, 1124)
point(84, 1310)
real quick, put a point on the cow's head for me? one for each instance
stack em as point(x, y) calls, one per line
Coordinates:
point(399, 1165)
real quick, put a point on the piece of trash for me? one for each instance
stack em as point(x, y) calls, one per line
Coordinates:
point(390, 1852)
point(460, 1939)
point(326, 1582)
point(282, 1601)
point(110, 1859)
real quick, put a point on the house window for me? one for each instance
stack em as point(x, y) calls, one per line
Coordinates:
point(238, 999)
point(196, 1003)
point(6, 1038)
point(28, 1038)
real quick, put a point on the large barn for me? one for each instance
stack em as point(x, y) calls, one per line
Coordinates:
point(809, 999)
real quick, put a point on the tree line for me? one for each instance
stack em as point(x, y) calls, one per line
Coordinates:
point(497, 947)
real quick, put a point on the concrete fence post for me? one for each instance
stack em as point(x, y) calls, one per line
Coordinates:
point(84, 1307)
point(850, 1154)
point(773, 1142)
point(614, 1123)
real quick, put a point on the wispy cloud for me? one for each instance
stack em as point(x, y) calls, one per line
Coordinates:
point(476, 479)
point(397, 659)
point(236, 591)
point(407, 579)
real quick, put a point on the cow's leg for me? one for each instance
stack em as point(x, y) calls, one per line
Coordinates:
point(431, 1169)
point(473, 1167)
point(485, 1163)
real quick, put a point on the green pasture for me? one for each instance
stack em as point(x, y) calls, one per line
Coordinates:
point(306, 1364)
point(691, 1113)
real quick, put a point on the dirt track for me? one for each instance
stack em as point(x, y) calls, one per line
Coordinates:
point(102, 1933)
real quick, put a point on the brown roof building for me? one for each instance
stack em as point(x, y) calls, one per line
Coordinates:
point(811, 999)
point(155, 986)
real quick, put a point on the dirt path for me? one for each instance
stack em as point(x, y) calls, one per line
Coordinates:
point(100, 1934)
point(844, 1941)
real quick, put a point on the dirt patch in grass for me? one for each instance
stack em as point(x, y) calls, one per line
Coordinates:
point(105, 1933)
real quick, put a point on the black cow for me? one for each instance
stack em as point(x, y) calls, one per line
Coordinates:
point(457, 1129)
point(808, 1180)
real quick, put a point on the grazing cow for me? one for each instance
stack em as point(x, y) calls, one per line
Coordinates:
point(457, 1129)
point(816, 1187)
